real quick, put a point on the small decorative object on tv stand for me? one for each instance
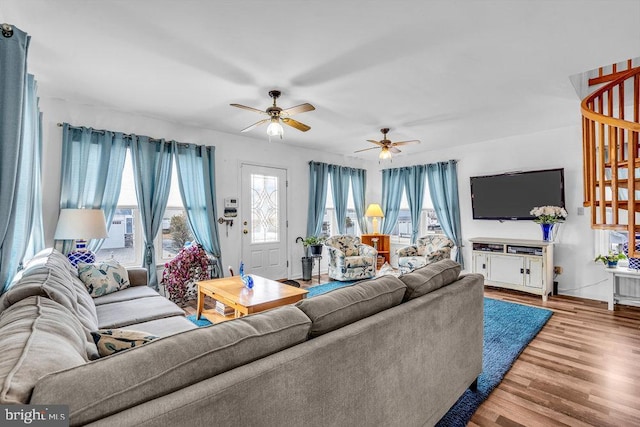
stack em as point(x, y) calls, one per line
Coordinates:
point(548, 217)
point(523, 265)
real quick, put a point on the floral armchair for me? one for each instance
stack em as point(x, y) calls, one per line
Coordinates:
point(427, 250)
point(349, 259)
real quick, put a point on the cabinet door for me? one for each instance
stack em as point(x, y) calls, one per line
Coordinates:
point(506, 269)
point(536, 273)
point(480, 264)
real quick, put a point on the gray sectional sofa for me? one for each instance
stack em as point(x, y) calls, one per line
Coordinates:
point(386, 351)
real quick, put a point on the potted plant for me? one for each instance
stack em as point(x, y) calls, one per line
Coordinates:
point(611, 259)
point(183, 271)
point(314, 243)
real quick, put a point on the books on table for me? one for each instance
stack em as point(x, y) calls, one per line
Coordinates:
point(224, 310)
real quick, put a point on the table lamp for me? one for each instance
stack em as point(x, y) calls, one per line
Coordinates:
point(80, 225)
point(374, 211)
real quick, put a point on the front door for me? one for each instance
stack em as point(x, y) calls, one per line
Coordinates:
point(264, 222)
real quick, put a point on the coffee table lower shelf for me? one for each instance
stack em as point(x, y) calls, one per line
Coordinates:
point(215, 317)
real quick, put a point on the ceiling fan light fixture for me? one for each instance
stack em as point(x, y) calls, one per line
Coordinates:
point(385, 154)
point(275, 128)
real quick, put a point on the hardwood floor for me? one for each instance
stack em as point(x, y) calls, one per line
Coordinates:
point(582, 369)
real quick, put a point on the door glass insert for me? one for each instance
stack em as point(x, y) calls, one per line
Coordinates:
point(264, 209)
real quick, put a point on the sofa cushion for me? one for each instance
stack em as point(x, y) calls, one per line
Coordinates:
point(357, 261)
point(37, 336)
point(86, 307)
point(346, 305)
point(169, 364)
point(49, 277)
point(111, 341)
point(133, 292)
point(164, 327)
point(429, 278)
point(125, 313)
point(103, 277)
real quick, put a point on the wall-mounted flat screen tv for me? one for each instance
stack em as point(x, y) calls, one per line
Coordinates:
point(511, 196)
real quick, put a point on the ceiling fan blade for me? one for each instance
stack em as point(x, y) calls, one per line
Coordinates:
point(414, 141)
point(244, 107)
point(302, 108)
point(376, 142)
point(394, 150)
point(254, 125)
point(296, 124)
point(366, 149)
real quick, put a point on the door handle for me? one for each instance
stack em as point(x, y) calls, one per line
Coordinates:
point(245, 231)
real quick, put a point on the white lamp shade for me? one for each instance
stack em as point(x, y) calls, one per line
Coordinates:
point(374, 210)
point(81, 224)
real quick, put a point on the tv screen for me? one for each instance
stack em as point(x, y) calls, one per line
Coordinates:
point(513, 195)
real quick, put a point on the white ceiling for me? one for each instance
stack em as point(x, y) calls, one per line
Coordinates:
point(445, 72)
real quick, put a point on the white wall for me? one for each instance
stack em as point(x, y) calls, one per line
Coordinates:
point(558, 148)
point(550, 149)
point(231, 151)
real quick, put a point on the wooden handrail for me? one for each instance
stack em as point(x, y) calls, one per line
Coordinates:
point(610, 151)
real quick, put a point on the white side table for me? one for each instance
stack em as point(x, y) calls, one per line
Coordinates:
point(614, 275)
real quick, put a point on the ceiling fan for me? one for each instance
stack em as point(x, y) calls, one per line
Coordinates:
point(387, 147)
point(277, 115)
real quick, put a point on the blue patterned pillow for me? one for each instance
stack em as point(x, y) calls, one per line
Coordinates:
point(110, 341)
point(104, 277)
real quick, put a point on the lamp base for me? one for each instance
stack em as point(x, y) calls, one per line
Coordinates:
point(87, 257)
point(375, 225)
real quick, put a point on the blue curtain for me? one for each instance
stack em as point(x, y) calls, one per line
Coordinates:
point(392, 181)
point(92, 164)
point(33, 137)
point(318, 183)
point(359, 189)
point(18, 147)
point(152, 163)
point(414, 178)
point(340, 176)
point(443, 186)
point(197, 180)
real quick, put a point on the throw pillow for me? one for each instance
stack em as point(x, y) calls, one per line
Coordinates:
point(386, 269)
point(103, 277)
point(110, 341)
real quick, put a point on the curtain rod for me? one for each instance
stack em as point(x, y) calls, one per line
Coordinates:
point(127, 135)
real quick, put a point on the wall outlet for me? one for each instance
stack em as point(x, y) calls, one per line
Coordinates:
point(557, 270)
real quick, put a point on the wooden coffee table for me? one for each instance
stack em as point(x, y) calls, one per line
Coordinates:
point(231, 292)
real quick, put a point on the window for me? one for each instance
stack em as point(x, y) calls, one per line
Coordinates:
point(264, 209)
point(125, 242)
point(330, 221)
point(428, 220)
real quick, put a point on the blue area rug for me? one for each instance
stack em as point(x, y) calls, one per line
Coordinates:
point(313, 291)
point(199, 323)
point(326, 287)
point(508, 329)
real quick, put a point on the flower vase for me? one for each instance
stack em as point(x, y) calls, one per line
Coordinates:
point(547, 232)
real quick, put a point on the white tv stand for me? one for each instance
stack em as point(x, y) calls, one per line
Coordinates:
point(523, 265)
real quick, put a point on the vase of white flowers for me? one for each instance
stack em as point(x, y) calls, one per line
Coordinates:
point(547, 217)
